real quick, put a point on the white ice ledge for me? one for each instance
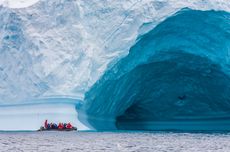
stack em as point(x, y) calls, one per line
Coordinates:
point(32, 116)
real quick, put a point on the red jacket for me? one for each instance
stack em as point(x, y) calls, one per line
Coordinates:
point(60, 126)
point(46, 124)
point(69, 126)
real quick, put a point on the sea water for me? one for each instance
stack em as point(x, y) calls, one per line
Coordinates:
point(113, 141)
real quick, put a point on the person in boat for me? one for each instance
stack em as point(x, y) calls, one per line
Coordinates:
point(51, 126)
point(46, 124)
point(60, 126)
point(69, 126)
point(55, 126)
point(64, 125)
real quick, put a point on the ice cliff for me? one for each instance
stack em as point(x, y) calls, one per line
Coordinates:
point(62, 47)
point(123, 58)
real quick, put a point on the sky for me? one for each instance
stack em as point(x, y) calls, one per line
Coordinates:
point(17, 3)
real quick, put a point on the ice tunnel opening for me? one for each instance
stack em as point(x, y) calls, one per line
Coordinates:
point(176, 77)
point(175, 92)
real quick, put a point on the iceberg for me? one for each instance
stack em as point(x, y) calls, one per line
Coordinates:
point(115, 57)
point(63, 47)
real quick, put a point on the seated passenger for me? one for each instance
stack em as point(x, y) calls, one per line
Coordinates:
point(45, 124)
point(48, 126)
point(51, 125)
point(65, 125)
point(69, 126)
point(55, 126)
point(60, 126)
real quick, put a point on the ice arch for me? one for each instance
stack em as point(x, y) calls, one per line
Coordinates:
point(174, 77)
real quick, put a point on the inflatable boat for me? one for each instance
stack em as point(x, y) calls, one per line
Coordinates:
point(66, 129)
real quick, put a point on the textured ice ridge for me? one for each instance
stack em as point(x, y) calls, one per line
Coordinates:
point(62, 47)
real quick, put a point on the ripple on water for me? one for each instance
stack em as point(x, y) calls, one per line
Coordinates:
point(110, 141)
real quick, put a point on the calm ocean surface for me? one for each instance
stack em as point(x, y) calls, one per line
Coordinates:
point(113, 141)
